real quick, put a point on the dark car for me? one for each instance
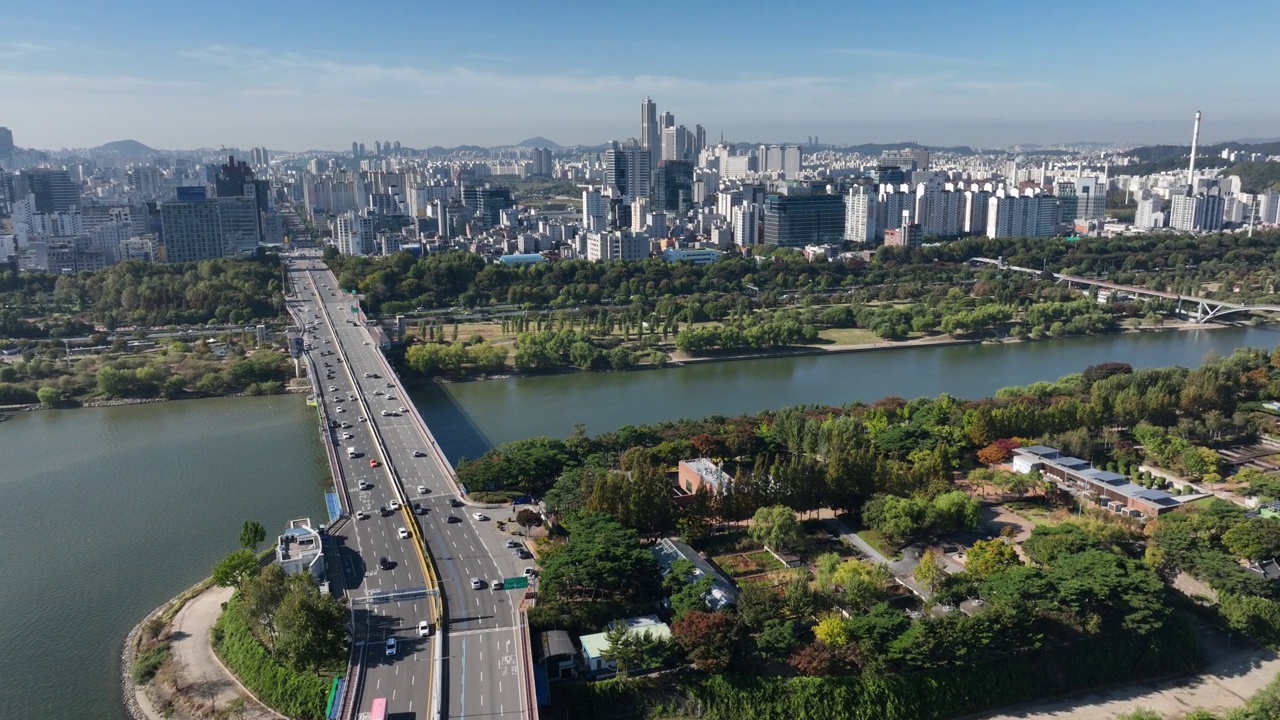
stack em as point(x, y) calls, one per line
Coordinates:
point(384, 563)
point(418, 509)
point(523, 554)
point(455, 502)
point(454, 519)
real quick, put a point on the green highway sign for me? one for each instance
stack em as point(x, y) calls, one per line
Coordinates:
point(515, 583)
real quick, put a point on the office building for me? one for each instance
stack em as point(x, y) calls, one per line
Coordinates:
point(804, 219)
point(674, 191)
point(54, 190)
point(146, 181)
point(627, 170)
point(860, 214)
point(650, 133)
point(907, 159)
point(192, 231)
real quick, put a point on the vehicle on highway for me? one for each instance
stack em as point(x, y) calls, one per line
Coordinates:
point(374, 463)
point(333, 388)
point(476, 583)
point(391, 385)
point(341, 409)
point(419, 510)
point(386, 413)
point(346, 426)
point(391, 647)
point(419, 453)
point(530, 573)
point(513, 543)
point(363, 419)
point(424, 628)
point(351, 453)
point(362, 515)
point(403, 409)
point(384, 563)
point(368, 375)
point(403, 533)
point(455, 502)
point(377, 392)
point(454, 519)
point(422, 489)
point(395, 504)
point(479, 516)
point(522, 554)
point(496, 584)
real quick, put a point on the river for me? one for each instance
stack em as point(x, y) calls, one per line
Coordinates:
point(106, 513)
point(469, 417)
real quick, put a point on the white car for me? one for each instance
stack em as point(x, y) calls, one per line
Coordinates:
point(341, 410)
point(424, 628)
point(479, 516)
point(363, 419)
point(366, 485)
point(362, 515)
point(395, 504)
point(476, 583)
point(386, 413)
point(403, 533)
point(403, 409)
point(422, 489)
point(391, 647)
point(530, 573)
point(333, 388)
point(347, 436)
point(419, 453)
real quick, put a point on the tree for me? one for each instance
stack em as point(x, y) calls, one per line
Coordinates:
point(235, 568)
point(1255, 539)
point(709, 638)
point(623, 648)
point(690, 597)
point(1048, 542)
point(527, 518)
point(251, 534)
point(990, 556)
point(930, 572)
point(602, 562)
point(816, 660)
point(310, 626)
point(758, 604)
point(777, 528)
point(48, 396)
point(777, 639)
point(862, 582)
point(261, 595)
point(833, 631)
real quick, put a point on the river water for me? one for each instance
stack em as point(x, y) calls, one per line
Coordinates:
point(106, 513)
point(468, 418)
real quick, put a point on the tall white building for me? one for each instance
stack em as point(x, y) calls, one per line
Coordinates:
point(595, 210)
point(650, 133)
point(353, 233)
point(975, 209)
point(146, 180)
point(1150, 213)
point(896, 204)
point(860, 214)
point(939, 209)
point(746, 224)
point(1202, 211)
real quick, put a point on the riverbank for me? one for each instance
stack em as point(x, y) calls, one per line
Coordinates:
point(679, 359)
point(192, 682)
point(122, 402)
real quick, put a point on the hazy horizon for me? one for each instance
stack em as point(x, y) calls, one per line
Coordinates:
point(321, 75)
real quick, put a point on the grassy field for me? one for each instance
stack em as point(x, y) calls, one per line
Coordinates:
point(878, 542)
point(744, 564)
point(848, 336)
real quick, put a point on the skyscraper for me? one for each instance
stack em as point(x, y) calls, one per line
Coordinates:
point(55, 191)
point(799, 220)
point(6, 148)
point(860, 214)
point(627, 170)
point(650, 133)
point(674, 192)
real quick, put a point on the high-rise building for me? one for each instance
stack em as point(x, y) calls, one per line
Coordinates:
point(745, 221)
point(674, 192)
point(627, 170)
point(860, 214)
point(617, 245)
point(975, 210)
point(1202, 211)
point(355, 150)
point(6, 148)
point(595, 210)
point(666, 120)
point(55, 191)
point(939, 209)
point(1150, 213)
point(1027, 214)
point(895, 202)
point(808, 219)
point(907, 159)
point(650, 133)
point(145, 180)
point(207, 229)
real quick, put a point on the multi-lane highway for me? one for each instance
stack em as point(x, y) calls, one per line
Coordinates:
point(483, 672)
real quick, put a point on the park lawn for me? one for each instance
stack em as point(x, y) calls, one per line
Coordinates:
point(765, 560)
point(744, 564)
point(878, 542)
point(848, 336)
point(490, 331)
point(1032, 512)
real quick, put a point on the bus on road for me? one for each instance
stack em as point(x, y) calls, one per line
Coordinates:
point(379, 709)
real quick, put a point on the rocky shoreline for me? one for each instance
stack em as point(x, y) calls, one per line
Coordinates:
point(128, 689)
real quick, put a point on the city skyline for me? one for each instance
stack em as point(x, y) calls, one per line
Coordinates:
point(319, 76)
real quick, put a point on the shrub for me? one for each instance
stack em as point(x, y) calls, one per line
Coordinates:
point(146, 664)
point(294, 693)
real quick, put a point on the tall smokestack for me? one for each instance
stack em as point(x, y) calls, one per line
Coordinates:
point(1195, 143)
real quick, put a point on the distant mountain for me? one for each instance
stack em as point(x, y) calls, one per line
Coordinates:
point(539, 142)
point(124, 147)
point(1162, 158)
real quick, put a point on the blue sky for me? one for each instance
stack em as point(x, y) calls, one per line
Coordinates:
point(320, 74)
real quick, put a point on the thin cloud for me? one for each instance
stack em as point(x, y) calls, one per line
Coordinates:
point(904, 56)
point(15, 50)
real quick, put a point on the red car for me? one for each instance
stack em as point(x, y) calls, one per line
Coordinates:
point(374, 463)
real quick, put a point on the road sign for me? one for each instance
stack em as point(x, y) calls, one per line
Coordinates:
point(354, 310)
point(515, 583)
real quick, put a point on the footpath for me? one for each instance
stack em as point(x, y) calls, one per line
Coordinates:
point(207, 685)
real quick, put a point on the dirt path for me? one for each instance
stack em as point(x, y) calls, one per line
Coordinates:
point(1232, 676)
point(206, 683)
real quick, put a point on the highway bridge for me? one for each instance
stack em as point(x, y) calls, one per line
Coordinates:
point(435, 558)
point(1207, 309)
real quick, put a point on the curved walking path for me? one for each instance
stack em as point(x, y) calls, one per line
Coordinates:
point(206, 680)
point(1233, 675)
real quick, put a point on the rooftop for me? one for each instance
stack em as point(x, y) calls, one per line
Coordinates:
point(708, 471)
